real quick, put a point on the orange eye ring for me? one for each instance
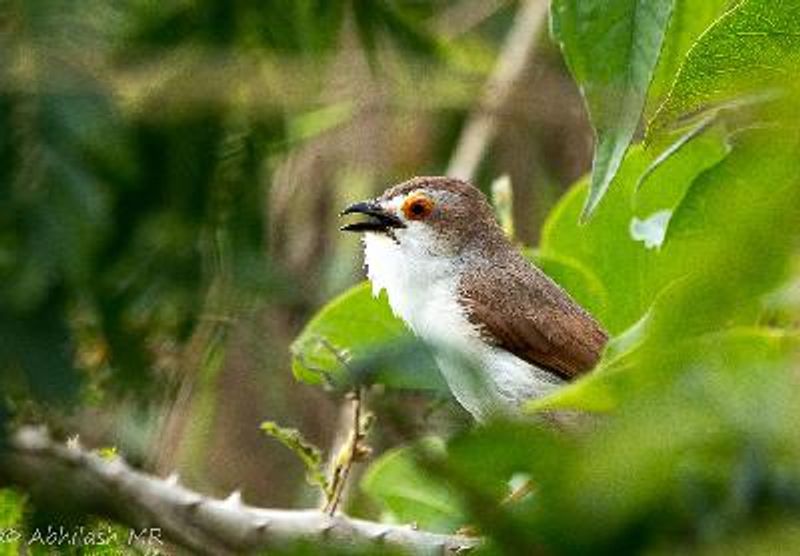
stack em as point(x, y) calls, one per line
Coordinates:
point(417, 207)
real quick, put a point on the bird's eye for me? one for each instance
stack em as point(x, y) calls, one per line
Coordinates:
point(417, 207)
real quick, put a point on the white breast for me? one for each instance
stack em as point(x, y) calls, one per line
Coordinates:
point(423, 291)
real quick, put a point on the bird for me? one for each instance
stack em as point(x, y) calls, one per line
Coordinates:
point(501, 331)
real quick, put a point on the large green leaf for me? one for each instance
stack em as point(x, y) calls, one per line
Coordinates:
point(717, 273)
point(754, 49)
point(689, 19)
point(410, 493)
point(730, 270)
point(355, 337)
point(625, 267)
point(604, 389)
point(611, 48)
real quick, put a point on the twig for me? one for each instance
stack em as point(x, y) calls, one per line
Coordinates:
point(350, 452)
point(353, 448)
point(515, 56)
point(71, 475)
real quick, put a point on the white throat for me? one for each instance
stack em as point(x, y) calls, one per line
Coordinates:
point(414, 280)
point(423, 291)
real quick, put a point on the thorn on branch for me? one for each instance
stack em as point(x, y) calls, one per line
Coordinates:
point(234, 499)
point(380, 537)
point(74, 443)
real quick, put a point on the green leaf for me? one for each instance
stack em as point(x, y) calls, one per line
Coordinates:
point(611, 48)
point(603, 390)
point(701, 130)
point(751, 51)
point(684, 455)
point(473, 456)
point(578, 280)
point(308, 453)
point(729, 263)
point(411, 493)
point(717, 274)
point(625, 268)
point(355, 337)
point(689, 19)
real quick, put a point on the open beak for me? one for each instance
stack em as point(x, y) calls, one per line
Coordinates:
point(378, 219)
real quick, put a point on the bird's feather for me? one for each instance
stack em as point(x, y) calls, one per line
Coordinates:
point(518, 308)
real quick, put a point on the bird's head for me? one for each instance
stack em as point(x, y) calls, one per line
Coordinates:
point(434, 215)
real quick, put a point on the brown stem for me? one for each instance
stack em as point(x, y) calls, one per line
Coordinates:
point(349, 453)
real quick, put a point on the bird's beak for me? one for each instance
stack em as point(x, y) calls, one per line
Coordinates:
point(379, 219)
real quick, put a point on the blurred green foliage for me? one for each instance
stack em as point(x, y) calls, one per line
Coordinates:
point(11, 510)
point(110, 221)
point(133, 184)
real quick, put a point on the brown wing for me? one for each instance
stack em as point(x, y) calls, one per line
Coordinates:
point(521, 310)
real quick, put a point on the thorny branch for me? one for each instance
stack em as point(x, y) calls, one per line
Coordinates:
point(111, 488)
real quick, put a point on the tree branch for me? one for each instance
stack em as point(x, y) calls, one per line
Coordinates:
point(515, 56)
point(111, 488)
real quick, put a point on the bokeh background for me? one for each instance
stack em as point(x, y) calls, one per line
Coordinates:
point(170, 178)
